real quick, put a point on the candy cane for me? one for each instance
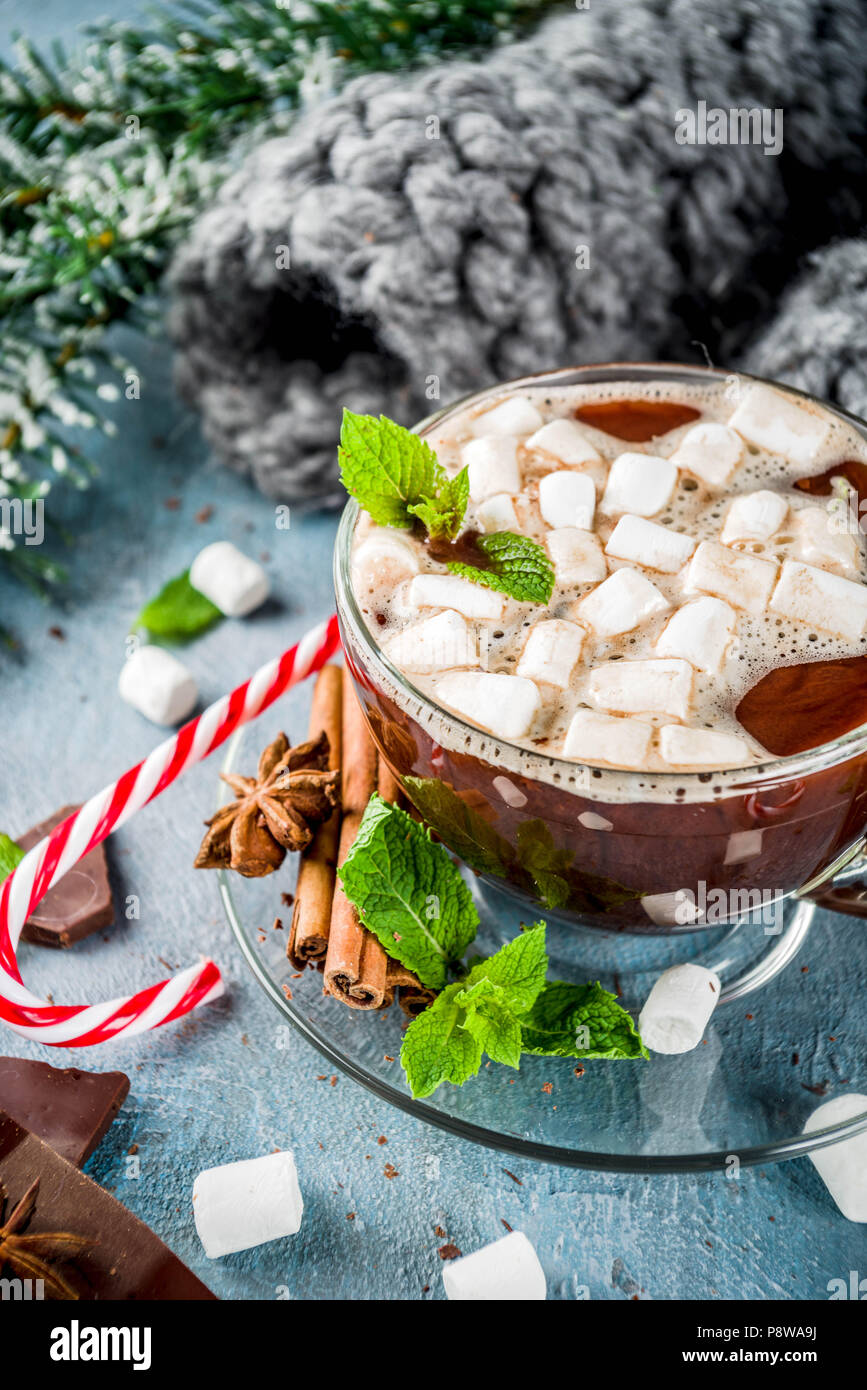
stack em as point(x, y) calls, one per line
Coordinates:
point(81, 1025)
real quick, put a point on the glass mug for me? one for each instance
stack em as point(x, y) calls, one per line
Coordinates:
point(625, 851)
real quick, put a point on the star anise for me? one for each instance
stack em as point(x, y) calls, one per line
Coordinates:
point(36, 1256)
point(278, 809)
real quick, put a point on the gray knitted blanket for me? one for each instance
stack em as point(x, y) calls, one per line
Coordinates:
point(423, 235)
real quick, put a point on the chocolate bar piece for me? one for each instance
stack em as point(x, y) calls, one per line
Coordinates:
point(126, 1261)
point(67, 1108)
point(80, 903)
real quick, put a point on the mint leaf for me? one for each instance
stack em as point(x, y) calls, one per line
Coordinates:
point(569, 1020)
point(465, 829)
point(436, 1047)
point(385, 467)
point(443, 514)
point(544, 863)
point(518, 566)
point(479, 1014)
point(10, 856)
point(408, 892)
point(518, 968)
point(179, 612)
point(489, 1019)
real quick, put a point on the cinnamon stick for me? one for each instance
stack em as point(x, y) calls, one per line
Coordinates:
point(412, 995)
point(356, 966)
point(387, 784)
point(311, 918)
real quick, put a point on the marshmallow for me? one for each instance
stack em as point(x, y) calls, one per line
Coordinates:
point(576, 555)
point(158, 685)
point(639, 483)
point(648, 544)
point(683, 747)
point(635, 687)
point(497, 513)
point(755, 516)
point(743, 845)
point(399, 605)
point(506, 705)
point(699, 632)
point(551, 651)
point(821, 599)
point(602, 738)
point(230, 579)
point(384, 558)
point(777, 423)
point(677, 909)
point(492, 466)
point(710, 452)
point(842, 1167)
point(239, 1205)
point(743, 580)
point(434, 644)
point(678, 1008)
point(820, 539)
point(450, 591)
point(507, 1270)
point(622, 601)
point(512, 416)
point(512, 795)
point(566, 442)
point(567, 499)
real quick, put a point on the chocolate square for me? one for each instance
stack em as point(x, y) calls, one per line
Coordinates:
point(66, 1108)
point(127, 1259)
point(80, 903)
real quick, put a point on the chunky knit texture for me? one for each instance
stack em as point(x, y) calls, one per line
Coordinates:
point(434, 223)
point(818, 340)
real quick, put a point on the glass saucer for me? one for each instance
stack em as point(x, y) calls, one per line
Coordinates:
point(787, 1034)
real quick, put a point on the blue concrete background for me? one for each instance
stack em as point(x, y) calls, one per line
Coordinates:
point(220, 1086)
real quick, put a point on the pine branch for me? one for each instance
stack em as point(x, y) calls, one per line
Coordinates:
point(107, 154)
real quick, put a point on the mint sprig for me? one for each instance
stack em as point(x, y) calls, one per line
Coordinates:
point(469, 834)
point(479, 1015)
point(394, 475)
point(442, 514)
point(517, 566)
point(437, 1047)
point(569, 1020)
point(544, 862)
point(179, 612)
point(408, 893)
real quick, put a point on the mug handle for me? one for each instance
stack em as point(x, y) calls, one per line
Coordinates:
point(846, 891)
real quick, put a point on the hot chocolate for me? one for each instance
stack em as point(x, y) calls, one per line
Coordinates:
point(620, 745)
point(690, 562)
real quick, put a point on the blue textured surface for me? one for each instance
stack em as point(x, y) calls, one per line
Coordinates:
point(223, 1085)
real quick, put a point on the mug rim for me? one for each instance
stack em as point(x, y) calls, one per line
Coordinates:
point(774, 770)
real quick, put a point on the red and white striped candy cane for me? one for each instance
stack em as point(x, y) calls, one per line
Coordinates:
point(81, 1025)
